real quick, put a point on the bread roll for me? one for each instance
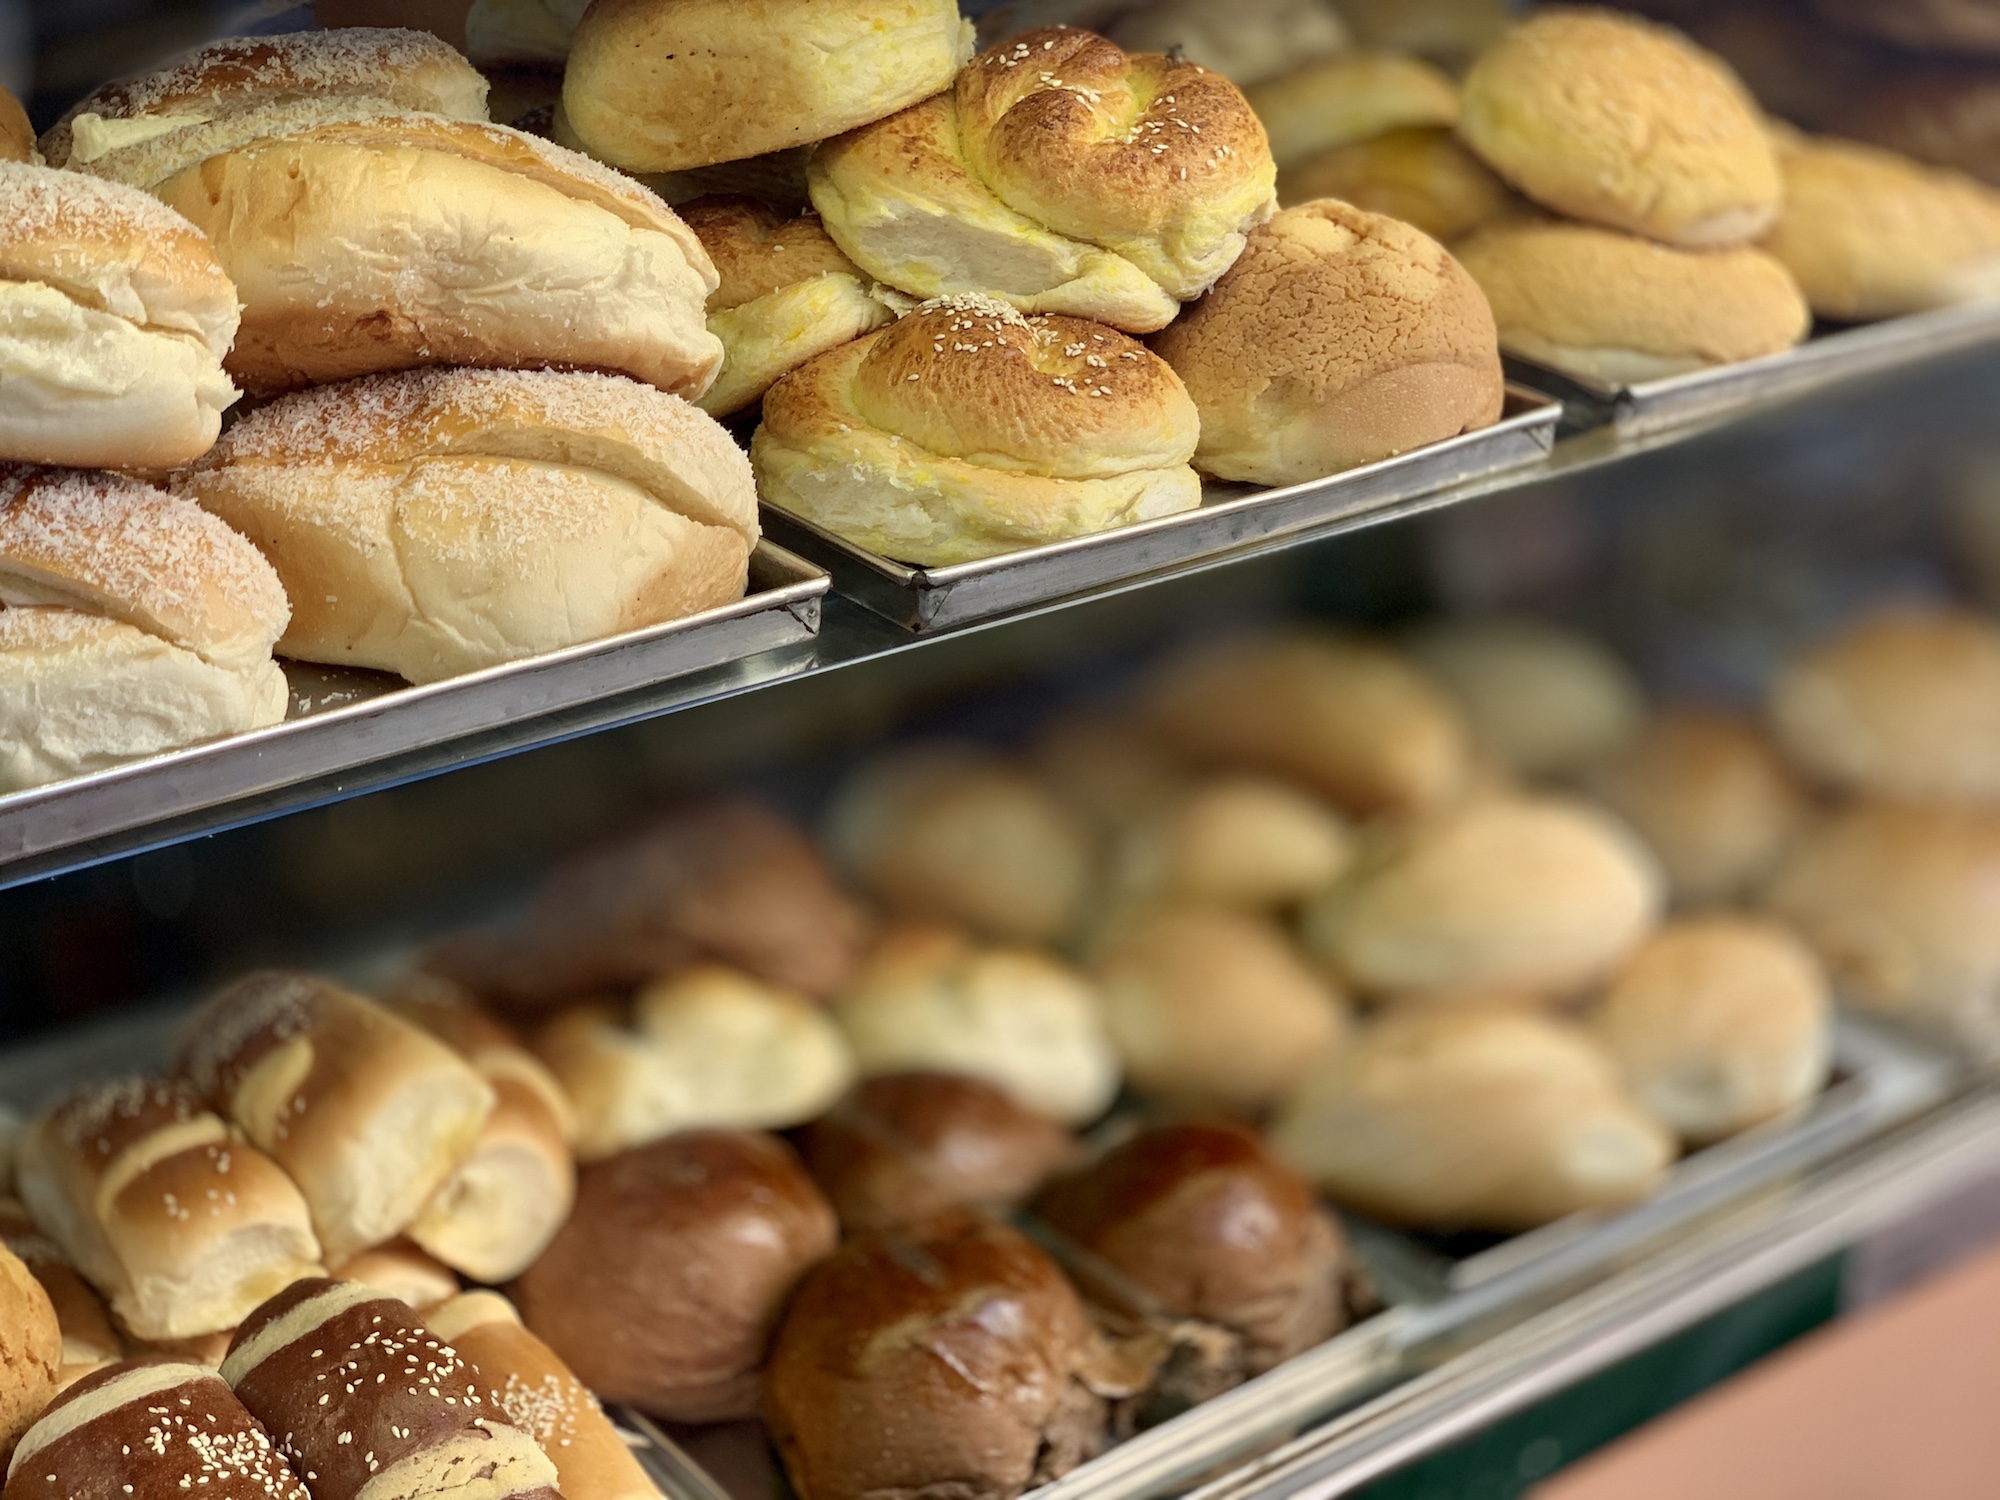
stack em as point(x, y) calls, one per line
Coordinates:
point(967, 430)
point(31, 1350)
point(1014, 185)
point(404, 1272)
point(325, 1365)
point(928, 997)
point(150, 1431)
point(204, 1349)
point(662, 1289)
point(1249, 43)
point(1340, 714)
point(88, 1337)
point(1419, 174)
point(1608, 118)
point(955, 1360)
point(1904, 704)
point(17, 136)
point(1509, 892)
point(521, 1376)
point(1613, 309)
point(1351, 97)
point(1472, 1119)
point(952, 831)
point(180, 1224)
point(1340, 338)
point(368, 1114)
point(130, 624)
point(1236, 840)
point(1709, 795)
point(787, 295)
point(439, 521)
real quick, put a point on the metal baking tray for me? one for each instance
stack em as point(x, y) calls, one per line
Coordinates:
point(340, 722)
point(1656, 406)
point(1231, 518)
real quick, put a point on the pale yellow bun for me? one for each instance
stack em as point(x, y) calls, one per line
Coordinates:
point(1711, 798)
point(663, 85)
point(1609, 118)
point(521, 33)
point(1472, 1119)
point(1513, 893)
point(438, 521)
point(1616, 309)
point(1240, 840)
point(1947, 116)
point(1869, 234)
point(1904, 704)
point(1420, 174)
point(1339, 338)
point(966, 430)
point(1352, 97)
point(1246, 43)
point(787, 294)
point(17, 136)
point(1970, 28)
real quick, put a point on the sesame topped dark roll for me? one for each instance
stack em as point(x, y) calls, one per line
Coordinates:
point(370, 1405)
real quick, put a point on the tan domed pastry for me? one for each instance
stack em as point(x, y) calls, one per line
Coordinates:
point(1246, 43)
point(1013, 184)
point(1236, 840)
point(1354, 96)
point(967, 430)
point(1616, 309)
point(1420, 174)
point(1605, 117)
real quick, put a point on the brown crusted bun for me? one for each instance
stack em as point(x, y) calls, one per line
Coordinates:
point(130, 623)
point(906, 1147)
point(88, 1337)
point(1251, 41)
point(1905, 704)
point(662, 1289)
point(1353, 96)
point(1236, 840)
point(1421, 175)
point(367, 1402)
point(951, 1362)
point(367, 1113)
point(1340, 337)
point(31, 1349)
point(403, 1271)
point(787, 294)
point(439, 521)
point(17, 136)
point(1614, 309)
point(149, 1430)
point(966, 430)
point(1606, 117)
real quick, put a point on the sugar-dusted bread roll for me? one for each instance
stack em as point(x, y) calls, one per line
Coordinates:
point(365, 1401)
point(1236, 840)
point(1248, 43)
point(177, 1221)
point(929, 997)
point(369, 1114)
point(31, 1350)
point(403, 1271)
point(787, 294)
point(130, 623)
point(1472, 1119)
point(1343, 715)
point(435, 522)
point(1420, 174)
point(1339, 338)
point(88, 1337)
point(1905, 704)
point(1616, 309)
point(1353, 96)
point(149, 1430)
point(1605, 117)
point(1015, 184)
point(967, 430)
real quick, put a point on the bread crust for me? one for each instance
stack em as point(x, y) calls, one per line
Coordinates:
point(31, 1350)
point(17, 136)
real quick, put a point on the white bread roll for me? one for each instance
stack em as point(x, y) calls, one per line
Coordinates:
point(439, 521)
point(1235, 840)
point(1249, 42)
point(367, 1113)
point(130, 623)
point(967, 430)
point(1352, 97)
point(181, 1225)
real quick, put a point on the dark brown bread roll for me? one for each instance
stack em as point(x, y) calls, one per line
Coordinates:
point(903, 1147)
point(365, 1400)
point(662, 1289)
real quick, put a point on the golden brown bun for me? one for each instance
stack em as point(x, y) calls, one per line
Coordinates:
point(1905, 704)
point(966, 430)
point(17, 136)
point(1216, 1007)
point(1947, 116)
point(1421, 175)
point(402, 1270)
point(951, 1362)
point(1612, 119)
point(1339, 338)
point(663, 85)
point(31, 1350)
point(1351, 97)
point(1903, 905)
point(758, 250)
point(438, 521)
point(1247, 43)
point(1709, 795)
point(928, 997)
point(88, 1337)
point(1235, 840)
point(720, 877)
point(1508, 892)
point(1967, 27)
point(1614, 309)
point(662, 1289)
point(905, 1147)
point(1349, 718)
point(1472, 1119)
